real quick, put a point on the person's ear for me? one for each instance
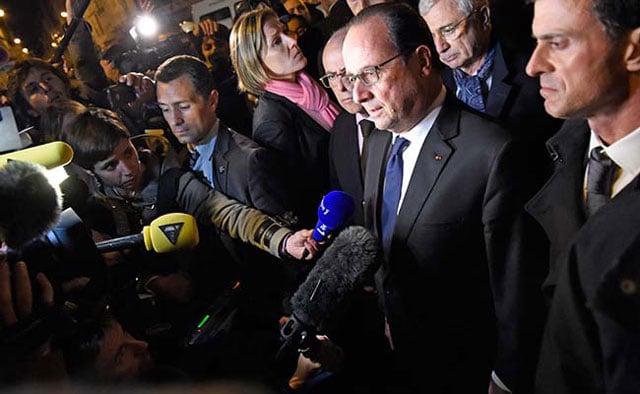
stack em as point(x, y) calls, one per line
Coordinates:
point(485, 17)
point(213, 99)
point(423, 54)
point(632, 51)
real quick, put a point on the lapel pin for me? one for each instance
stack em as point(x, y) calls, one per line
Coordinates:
point(221, 169)
point(437, 157)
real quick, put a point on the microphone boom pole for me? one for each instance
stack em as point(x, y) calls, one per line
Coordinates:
point(68, 33)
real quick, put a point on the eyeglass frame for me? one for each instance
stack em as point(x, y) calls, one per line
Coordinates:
point(350, 79)
point(325, 80)
point(452, 28)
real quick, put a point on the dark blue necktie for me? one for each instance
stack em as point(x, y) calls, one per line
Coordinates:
point(392, 190)
point(472, 89)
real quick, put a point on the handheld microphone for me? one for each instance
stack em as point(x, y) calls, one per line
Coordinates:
point(354, 254)
point(51, 155)
point(335, 210)
point(30, 205)
point(168, 233)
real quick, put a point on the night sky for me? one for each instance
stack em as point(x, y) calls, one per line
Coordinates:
point(31, 20)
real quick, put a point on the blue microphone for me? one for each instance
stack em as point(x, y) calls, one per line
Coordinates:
point(335, 211)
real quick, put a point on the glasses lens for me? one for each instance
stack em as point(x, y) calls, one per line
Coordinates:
point(325, 81)
point(347, 81)
point(369, 76)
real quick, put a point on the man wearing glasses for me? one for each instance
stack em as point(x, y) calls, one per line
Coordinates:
point(444, 192)
point(484, 72)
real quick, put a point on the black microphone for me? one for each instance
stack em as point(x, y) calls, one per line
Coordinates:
point(353, 255)
point(30, 205)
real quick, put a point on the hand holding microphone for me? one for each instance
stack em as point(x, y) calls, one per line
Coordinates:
point(334, 212)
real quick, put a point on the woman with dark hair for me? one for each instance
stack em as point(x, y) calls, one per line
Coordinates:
point(294, 113)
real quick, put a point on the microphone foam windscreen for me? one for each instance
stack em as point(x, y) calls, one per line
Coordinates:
point(354, 253)
point(29, 205)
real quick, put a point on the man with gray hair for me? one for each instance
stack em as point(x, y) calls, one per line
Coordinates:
point(485, 73)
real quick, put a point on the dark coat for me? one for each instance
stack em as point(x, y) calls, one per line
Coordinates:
point(591, 342)
point(302, 144)
point(454, 270)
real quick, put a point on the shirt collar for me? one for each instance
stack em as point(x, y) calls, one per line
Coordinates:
point(623, 152)
point(418, 133)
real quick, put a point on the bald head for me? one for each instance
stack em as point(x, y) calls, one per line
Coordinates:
point(334, 66)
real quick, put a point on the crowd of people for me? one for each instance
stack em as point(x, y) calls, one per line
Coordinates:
point(498, 174)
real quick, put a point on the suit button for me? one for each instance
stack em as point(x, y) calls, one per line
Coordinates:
point(628, 286)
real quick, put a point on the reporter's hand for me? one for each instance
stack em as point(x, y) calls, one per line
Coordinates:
point(328, 355)
point(146, 6)
point(12, 310)
point(208, 27)
point(300, 241)
point(142, 85)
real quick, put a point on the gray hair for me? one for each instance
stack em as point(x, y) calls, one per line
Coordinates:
point(465, 6)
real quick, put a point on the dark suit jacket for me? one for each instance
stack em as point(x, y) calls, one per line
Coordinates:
point(453, 271)
point(249, 173)
point(592, 341)
point(514, 97)
point(559, 205)
point(302, 144)
point(344, 161)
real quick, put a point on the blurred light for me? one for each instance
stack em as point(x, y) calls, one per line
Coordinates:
point(53, 44)
point(64, 14)
point(56, 176)
point(147, 26)
point(2, 14)
point(17, 41)
point(25, 50)
point(55, 35)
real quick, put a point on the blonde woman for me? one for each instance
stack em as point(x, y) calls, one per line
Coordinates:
point(294, 114)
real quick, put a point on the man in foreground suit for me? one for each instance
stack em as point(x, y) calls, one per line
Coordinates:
point(346, 145)
point(448, 209)
point(588, 61)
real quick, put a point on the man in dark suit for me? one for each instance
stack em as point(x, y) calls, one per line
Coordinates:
point(486, 74)
point(588, 62)
point(240, 168)
point(348, 137)
point(443, 191)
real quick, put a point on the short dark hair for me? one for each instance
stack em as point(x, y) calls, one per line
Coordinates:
point(617, 16)
point(407, 30)
point(94, 135)
point(195, 69)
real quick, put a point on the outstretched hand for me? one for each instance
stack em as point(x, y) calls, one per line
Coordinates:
point(301, 246)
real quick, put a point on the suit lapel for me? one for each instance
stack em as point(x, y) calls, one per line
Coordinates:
point(220, 161)
point(434, 155)
point(500, 88)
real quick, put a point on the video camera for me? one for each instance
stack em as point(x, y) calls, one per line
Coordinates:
point(143, 58)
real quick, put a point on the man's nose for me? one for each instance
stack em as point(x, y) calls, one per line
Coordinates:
point(361, 93)
point(441, 44)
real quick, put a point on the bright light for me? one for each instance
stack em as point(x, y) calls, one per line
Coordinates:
point(56, 176)
point(2, 14)
point(147, 26)
point(17, 41)
point(54, 45)
point(25, 50)
point(64, 14)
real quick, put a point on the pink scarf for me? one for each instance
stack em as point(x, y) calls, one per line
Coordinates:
point(308, 95)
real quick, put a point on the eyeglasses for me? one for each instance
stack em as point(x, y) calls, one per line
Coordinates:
point(332, 79)
point(454, 30)
point(369, 75)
